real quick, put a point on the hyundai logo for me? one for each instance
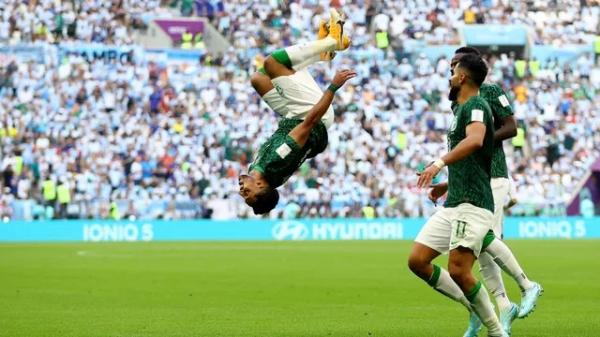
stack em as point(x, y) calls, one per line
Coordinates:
point(290, 230)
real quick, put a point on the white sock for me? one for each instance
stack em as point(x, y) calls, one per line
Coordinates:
point(307, 62)
point(482, 306)
point(301, 53)
point(492, 275)
point(443, 283)
point(507, 261)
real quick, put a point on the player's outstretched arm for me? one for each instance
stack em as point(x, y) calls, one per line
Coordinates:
point(475, 134)
point(301, 132)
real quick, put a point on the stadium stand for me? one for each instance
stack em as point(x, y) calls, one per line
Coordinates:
point(102, 137)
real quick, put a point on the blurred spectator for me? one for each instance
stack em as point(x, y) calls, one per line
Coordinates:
point(87, 21)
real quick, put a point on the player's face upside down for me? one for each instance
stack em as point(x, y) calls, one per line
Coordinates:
point(249, 188)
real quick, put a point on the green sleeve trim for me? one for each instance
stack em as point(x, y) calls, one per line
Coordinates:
point(435, 276)
point(473, 293)
point(487, 240)
point(281, 56)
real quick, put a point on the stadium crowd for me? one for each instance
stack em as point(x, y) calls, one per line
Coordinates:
point(403, 23)
point(110, 22)
point(143, 139)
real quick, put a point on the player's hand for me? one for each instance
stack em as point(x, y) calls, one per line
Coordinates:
point(341, 76)
point(427, 176)
point(437, 191)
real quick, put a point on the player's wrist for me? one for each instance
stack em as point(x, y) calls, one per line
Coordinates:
point(333, 87)
point(439, 163)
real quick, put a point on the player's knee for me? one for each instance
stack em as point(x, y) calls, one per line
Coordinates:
point(275, 68)
point(458, 273)
point(261, 83)
point(271, 64)
point(255, 80)
point(416, 264)
point(413, 264)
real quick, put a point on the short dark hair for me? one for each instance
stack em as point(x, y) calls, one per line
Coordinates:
point(467, 50)
point(265, 201)
point(475, 66)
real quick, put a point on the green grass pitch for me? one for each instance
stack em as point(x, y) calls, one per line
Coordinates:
point(354, 288)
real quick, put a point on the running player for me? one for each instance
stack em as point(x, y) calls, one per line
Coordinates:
point(462, 224)
point(505, 127)
point(306, 112)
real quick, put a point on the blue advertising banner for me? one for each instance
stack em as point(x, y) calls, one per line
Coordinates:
point(497, 34)
point(300, 229)
point(162, 56)
point(96, 51)
point(22, 53)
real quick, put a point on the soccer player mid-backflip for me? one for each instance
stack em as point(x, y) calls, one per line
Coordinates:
point(495, 253)
point(306, 113)
point(460, 227)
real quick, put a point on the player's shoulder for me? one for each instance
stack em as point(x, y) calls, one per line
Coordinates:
point(478, 102)
point(494, 95)
point(490, 87)
point(477, 109)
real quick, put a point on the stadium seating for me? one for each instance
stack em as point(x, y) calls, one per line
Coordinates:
point(109, 139)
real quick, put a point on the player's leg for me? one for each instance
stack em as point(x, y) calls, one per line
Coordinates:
point(325, 56)
point(502, 255)
point(500, 191)
point(460, 264)
point(264, 87)
point(431, 241)
point(438, 278)
point(282, 61)
point(261, 82)
point(505, 259)
point(469, 228)
point(492, 276)
point(491, 272)
point(512, 195)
